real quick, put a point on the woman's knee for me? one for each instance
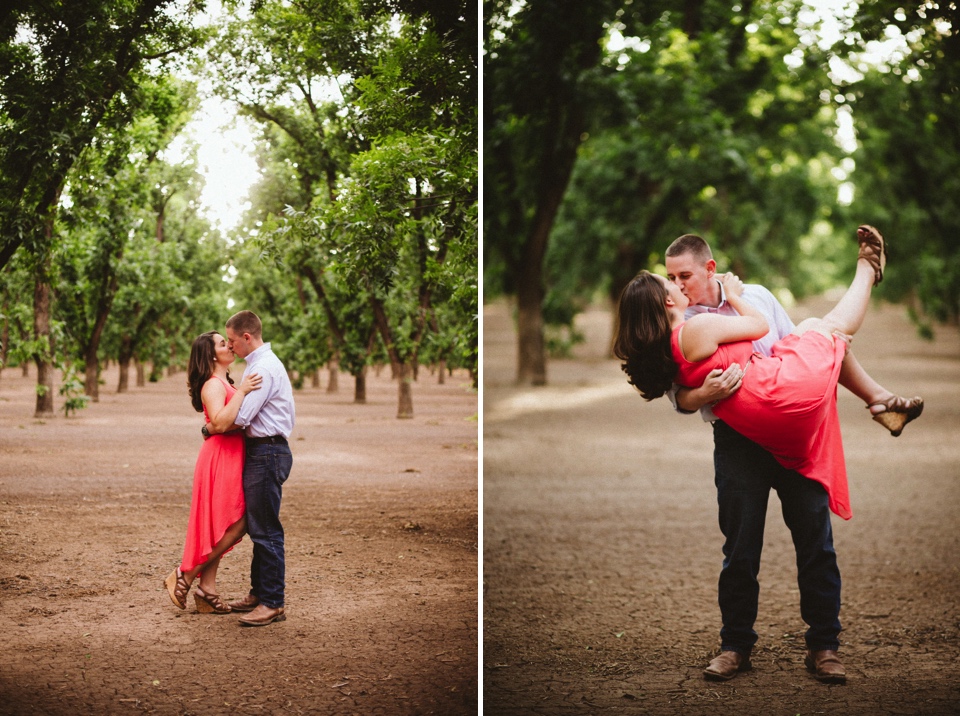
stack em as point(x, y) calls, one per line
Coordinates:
point(819, 325)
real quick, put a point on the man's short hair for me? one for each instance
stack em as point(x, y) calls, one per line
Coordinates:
point(691, 244)
point(246, 322)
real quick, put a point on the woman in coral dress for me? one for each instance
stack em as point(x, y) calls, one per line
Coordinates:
point(787, 402)
point(217, 521)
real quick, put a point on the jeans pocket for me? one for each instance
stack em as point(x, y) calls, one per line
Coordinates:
point(283, 463)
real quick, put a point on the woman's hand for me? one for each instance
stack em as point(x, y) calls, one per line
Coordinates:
point(250, 383)
point(732, 284)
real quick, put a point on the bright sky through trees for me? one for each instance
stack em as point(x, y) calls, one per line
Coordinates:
point(225, 159)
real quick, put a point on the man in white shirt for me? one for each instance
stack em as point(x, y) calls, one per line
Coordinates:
point(745, 473)
point(267, 421)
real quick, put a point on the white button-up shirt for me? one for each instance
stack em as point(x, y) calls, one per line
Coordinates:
point(270, 410)
point(765, 302)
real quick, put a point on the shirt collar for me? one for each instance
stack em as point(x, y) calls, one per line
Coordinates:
point(723, 295)
point(254, 355)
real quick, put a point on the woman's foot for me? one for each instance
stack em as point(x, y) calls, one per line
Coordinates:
point(873, 250)
point(895, 412)
point(177, 588)
point(209, 603)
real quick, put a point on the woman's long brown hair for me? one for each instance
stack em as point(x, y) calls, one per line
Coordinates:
point(642, 336)
point(203, 354)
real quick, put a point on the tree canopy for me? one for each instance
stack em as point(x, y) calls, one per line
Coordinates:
point(360, 243)
point(735, 122)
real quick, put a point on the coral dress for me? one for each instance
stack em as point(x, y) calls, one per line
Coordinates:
point(217, 493)
point(787, 404)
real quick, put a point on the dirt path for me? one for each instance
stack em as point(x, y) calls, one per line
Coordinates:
point(601, 545)
point(381, 531)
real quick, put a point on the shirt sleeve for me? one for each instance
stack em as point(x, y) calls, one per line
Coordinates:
point(672, 396)
point(780, 323)
point(765, 302)
point(255, 399)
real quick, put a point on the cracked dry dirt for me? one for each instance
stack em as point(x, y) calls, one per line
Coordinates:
point(381, 530)
point(602, 551)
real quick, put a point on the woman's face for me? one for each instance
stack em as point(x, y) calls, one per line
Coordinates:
point(675, 293)
point(224, 356)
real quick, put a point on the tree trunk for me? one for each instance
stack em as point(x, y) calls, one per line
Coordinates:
point(315, 380)
point(531, 353)
point(333, 384)
point(360, 386)
point(41, 329)
point(4, 342)
point(91, 381)
point(141, 375)
point(124, 356)
point(44, 408)
point(441, 372)
point(124, 381)
point(405, 402)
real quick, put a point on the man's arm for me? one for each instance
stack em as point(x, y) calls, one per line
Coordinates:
point(717, 386)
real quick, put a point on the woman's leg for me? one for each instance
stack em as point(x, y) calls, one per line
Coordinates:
point(888, 409)
point(854, 377)
point(847, 316)
point(208, 578)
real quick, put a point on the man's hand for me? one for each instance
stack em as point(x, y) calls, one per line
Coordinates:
point(719, 384)
point(722, 384)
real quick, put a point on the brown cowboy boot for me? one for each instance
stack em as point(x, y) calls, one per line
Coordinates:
point(726, 665)
point(826, 666)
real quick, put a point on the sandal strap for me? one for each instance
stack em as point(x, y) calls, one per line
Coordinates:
point(898, 404)
point(213, 600)
point(182, 587)
point(872, 248)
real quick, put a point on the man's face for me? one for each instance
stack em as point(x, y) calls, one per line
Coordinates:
point(239, 343)
point(691, 276)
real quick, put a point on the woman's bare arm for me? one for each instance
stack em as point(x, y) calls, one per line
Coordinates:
point(705, 332)
point(213, 394)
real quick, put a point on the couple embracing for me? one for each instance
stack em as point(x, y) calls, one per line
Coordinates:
point(770, 390)
point(240, 471)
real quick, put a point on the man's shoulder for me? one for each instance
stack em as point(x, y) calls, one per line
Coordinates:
point(757, 289)
point(272, 359)
point(755, 293)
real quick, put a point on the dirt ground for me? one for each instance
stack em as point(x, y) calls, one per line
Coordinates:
point(381, 529)
point(602, 550)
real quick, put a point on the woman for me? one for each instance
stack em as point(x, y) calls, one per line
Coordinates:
point(217, 521)
point(787, 403)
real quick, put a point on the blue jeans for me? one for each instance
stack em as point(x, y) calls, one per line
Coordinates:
point(745, 473)
point(265, 470)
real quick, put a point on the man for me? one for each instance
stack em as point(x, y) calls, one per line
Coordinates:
point(267, 420)
point(745, 474)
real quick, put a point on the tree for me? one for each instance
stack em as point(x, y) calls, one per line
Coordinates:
point(64, 69)
point(119, 187)
point(704, 128)
point(538, 58)
point(906, 114)
point(391, 185)
point(649, 121)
